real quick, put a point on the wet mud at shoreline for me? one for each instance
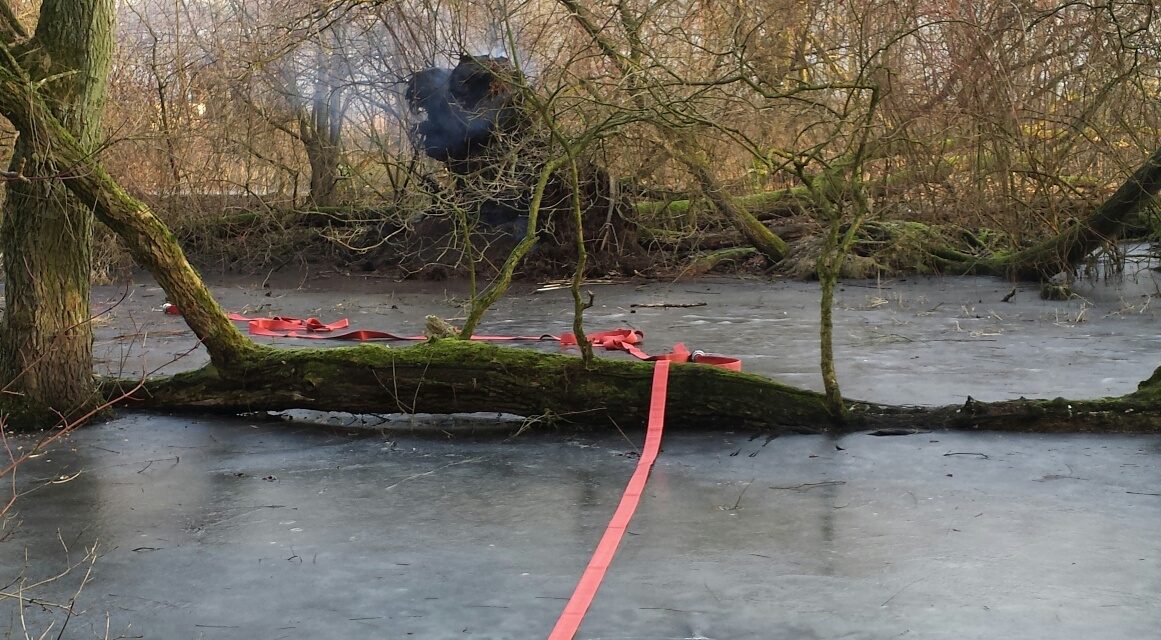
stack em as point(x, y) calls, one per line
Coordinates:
point(254, 528)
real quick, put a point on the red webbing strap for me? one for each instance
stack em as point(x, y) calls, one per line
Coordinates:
point(312, 328)
point(586, 589)
point(616, 340)
point(315, 329)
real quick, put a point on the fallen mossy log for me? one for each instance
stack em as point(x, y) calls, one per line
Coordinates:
point(1138, 412)
point(457, 376)
point(706, 262)
point(690, 239)
point(892, 247)
point(712, 237)
point(454, 376)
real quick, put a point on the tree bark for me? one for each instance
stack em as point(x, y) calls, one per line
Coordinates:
point(323, 156)
point(320, 115)
point(46, 233)
point(320, 129)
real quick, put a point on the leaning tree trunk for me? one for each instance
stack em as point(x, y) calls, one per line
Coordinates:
point(757, 234)
point(46, 233)
point(148, 240)
point(1068, 249)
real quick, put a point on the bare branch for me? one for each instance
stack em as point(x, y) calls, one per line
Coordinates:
point(10, 26)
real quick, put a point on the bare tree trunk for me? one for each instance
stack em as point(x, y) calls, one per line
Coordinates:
point(46, 233)
point(323, 154)
point(148, 240)
point(829, 264)
point(320, 125)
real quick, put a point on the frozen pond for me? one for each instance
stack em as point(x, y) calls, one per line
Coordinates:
point(235, 529)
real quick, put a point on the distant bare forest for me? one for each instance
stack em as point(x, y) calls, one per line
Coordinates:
point(1015, 116)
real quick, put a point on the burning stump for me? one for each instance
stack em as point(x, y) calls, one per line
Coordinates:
point(471, 119)
point(465, 109)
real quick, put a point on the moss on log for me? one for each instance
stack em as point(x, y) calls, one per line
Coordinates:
point(706, 262)
point(891, 247)
point(455, 376)
point(1132, 413)
point(765, 205)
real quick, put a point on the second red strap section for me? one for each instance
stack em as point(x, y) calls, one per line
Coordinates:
point(586, 589)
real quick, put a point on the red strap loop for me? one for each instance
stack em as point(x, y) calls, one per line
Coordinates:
point(614, 340)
